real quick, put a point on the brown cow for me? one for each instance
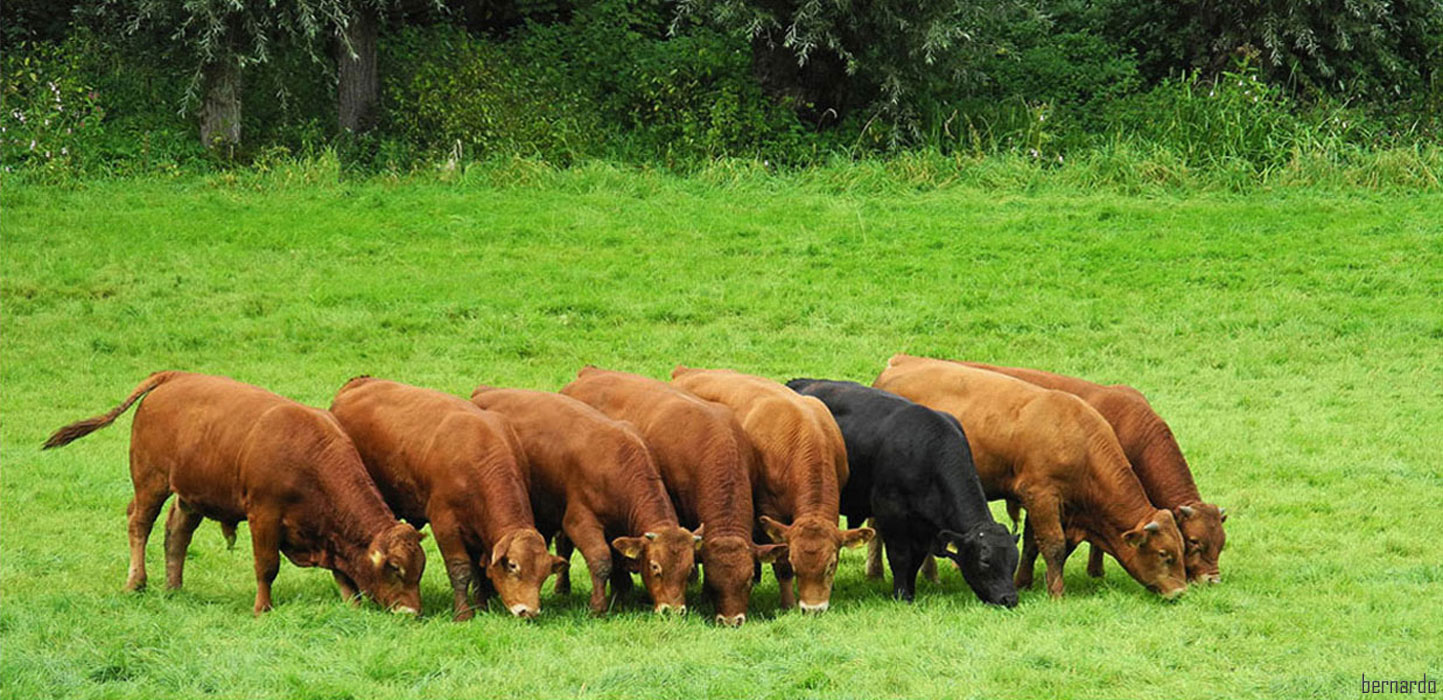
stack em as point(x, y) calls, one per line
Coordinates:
point(438, 458)
point(594, 479)
point(803, 467)
point(233, 452)
point(1153, 451)
point(706, 462)
point(1057, 457)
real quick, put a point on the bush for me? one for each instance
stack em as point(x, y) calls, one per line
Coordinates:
point(603, 84)
point(50, 103)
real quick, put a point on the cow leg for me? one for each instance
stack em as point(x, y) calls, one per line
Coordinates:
point(266, 548)
point(150, 495)
point(905, 557)
point(1028, 563)
point(349, 592)
point(1094, 561)
point(1045, 518)
point(458, 565)
point(180, 525)
point(563, 578)
point(588, 535)
point(874, 551)
point(787, 597)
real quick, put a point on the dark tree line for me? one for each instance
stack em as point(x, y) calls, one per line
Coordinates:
point(822, 57)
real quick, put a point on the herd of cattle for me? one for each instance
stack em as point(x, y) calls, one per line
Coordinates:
point(650, 477)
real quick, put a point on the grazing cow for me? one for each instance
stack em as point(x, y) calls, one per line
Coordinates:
point(594, 479)
point(1056, 456)
point(1151, 448)
point(233, 452)
point(706, 462)
point(912, 471)
point(803, 465)
point(438, 458)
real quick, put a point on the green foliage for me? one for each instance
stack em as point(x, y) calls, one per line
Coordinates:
point(48, 98)
point(450, 93)
point(678, 98)
point(605, 83)
point(896, 54)
point(1384, 49)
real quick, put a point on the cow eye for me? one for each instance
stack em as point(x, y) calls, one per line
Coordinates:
point(513, 567)
point(656, 568)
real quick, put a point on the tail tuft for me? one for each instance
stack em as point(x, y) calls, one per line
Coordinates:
point(75, 431)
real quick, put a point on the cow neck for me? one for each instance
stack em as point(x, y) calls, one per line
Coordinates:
point(811, 480)
point(964, 501)
point(723, 491)
point(638, 485)
point(1115, 501)
point(1161, 466)
point(502, 486)
point(356, 513)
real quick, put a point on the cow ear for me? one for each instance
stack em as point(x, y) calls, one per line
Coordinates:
point(630, 547)
point(1135, 537)
point(857, 537)
point(559, 566)
point(775, 530)
point(769, 553)
point(378, 558)
point(945, 544)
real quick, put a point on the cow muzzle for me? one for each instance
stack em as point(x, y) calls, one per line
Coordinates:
point(405, 610)
point(668, 609)
point(524, 611)
point(814, 608)
point(733, 621)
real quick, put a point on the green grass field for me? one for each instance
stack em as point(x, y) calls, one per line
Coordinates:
point(1293, 339)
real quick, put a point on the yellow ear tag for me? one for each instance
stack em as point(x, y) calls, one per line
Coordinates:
point(952, 547)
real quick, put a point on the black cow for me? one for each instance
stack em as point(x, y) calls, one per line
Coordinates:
point(912, 471)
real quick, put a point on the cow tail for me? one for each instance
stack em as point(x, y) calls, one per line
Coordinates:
point(80, 429)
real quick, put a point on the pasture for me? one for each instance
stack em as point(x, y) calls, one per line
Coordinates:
point(1293, 339)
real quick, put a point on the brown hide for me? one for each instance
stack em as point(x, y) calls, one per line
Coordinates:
point(706, 462)
point(803, 465)
point(232, 452)
point(594, 479)
point(438, 458)
point(1155, 456)
point(1057, 457)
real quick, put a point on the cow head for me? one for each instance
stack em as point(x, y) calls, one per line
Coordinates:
point(1203, 539)
point(1152, 553)
point(394, 562)
point(729, 562)
point(665, 556)
point(987, 556)
point(813, 548)
point(519, 565)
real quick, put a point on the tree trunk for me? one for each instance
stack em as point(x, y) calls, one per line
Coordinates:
point(220, 113)
point(358, 84)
